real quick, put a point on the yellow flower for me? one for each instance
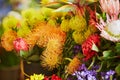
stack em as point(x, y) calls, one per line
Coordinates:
point(10, 22)
point(50, 59)
point(7, 40)
point(36, 77)
point(78, 23)
point(78, 37)
point(73, 65)
point(65, 25)
point(55, 45)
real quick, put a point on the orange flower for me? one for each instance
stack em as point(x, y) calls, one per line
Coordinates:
point(7, 40)
point(73, 65)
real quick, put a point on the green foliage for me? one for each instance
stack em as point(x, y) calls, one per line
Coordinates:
point(117, 69)
point(9, 59)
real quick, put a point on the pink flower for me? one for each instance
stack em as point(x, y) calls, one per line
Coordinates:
point(87, 46)
point(20, 44)
point(111, 7)
point(110, 28)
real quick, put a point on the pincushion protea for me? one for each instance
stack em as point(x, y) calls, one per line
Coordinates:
point(110, 28)
point(73, 65)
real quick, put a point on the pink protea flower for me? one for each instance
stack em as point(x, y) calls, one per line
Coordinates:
point(110, 29)
point(111, 7)
point(87, 46)
point(20, 44)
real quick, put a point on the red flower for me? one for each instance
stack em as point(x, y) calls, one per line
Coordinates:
point(20, 44)
point(46, 78)
point(87, 45)
point(54, 77)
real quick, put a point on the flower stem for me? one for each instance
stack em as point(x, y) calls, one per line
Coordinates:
point(68, 59)
point(100, 67)
point(22, 69)
point(92, 63)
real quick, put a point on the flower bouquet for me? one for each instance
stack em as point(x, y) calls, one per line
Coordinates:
point(79, 38)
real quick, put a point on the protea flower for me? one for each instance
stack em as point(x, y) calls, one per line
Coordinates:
point(110, 28)
point(73, 65)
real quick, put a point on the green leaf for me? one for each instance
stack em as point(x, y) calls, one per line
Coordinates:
point(55, 5)
point(108, 53)
point(117, 69)
point(65, 8)
point(95, 48)
point(24, 54)
point(117, 47)
point(34, 58)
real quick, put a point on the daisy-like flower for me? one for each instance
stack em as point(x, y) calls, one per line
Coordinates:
point(7, 40)
point(73, 65)
point(110, 28)
point(87, 46)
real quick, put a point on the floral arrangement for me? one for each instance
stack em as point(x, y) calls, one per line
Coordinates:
point(79, 38)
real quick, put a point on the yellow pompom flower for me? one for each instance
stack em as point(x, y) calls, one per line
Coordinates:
point(52, 22)
point(78, 23)
point(23, 30)
point(73, 65)
point(7, 40)
point(32, 16)
point(65, 25)
point(87, 33)
point(10, 22)
point(78, 37)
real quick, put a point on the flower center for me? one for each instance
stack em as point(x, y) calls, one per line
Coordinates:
point(113, 28)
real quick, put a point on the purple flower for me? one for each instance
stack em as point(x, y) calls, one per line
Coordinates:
point(76, 49)
point(106, 75)
point(82, 67)
point(90, 77)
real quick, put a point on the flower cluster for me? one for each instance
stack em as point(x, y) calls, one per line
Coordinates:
point(78, 38)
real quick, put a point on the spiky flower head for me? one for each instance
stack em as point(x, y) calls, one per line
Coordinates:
point(73, 65)
point(7, 40)
point(50, 59)
point(47, 32)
